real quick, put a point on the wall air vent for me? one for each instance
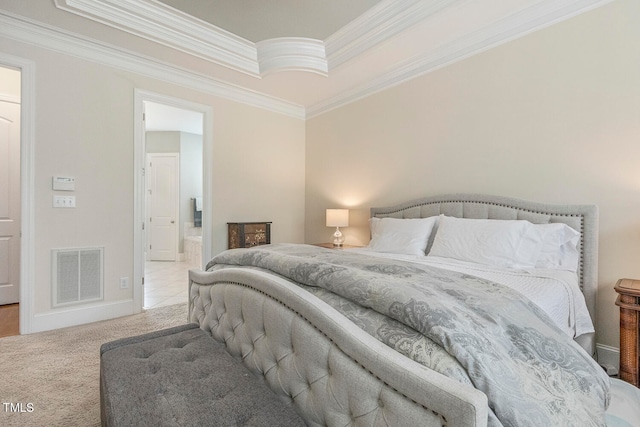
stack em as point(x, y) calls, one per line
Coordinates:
point(77, 275)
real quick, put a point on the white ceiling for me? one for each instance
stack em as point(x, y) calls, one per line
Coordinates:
point(160, 117)
point(306, 57)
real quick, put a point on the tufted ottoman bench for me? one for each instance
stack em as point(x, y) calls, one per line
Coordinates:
point(182, 377)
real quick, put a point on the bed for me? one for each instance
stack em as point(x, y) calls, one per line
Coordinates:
point(374, 337)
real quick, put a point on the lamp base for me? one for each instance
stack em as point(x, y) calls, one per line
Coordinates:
point(338, 238)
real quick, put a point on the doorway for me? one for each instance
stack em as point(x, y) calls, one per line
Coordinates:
point(10, 200)
point(173, 143)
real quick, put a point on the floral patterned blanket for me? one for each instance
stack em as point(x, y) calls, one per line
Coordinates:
point(479, 332)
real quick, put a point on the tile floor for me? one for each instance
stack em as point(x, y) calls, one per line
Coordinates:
point(165, 283)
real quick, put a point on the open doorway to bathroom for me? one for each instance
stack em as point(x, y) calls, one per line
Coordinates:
point(173, 201)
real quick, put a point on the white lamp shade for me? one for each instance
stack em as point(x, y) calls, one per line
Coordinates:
point(337, 217)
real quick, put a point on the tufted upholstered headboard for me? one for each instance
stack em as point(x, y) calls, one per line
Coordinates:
point(583, 218)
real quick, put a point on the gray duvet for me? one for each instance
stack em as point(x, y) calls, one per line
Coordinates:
point(476, 331)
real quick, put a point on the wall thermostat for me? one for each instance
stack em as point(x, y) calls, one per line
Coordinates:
point(64, 183)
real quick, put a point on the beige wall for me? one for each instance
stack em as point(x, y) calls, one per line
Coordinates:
point(553, 117)
point(84, 127)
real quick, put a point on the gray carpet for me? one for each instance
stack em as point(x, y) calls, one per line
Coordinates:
point(58, 372)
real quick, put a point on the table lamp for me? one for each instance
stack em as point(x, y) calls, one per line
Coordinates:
point(338, 218)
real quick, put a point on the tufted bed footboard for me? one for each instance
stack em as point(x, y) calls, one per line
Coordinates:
point(334, 373)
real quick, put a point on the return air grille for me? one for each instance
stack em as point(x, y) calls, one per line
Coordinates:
point(77, 275)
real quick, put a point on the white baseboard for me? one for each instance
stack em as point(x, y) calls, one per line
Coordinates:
point(608, 357)
point(80, 315)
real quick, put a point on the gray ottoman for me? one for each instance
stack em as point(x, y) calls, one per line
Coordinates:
point(183, 377)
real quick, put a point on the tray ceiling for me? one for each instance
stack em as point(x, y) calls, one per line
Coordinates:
point(318, 55)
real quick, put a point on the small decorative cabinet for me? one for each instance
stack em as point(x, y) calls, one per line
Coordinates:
point(629, 303)
point(248, 234)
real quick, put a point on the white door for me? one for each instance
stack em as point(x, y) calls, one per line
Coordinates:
point(162, 196)
point(9, 202)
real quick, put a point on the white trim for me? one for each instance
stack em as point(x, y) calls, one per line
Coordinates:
point(608, 356)
point(28, 31)
point(163, 24)
point(292, 54)
point(139, 204)
point(81, 315)
point(304, 54)
point(173, 28)
point(140, 96)
point(27, 179)
point(517, 25)
point(383, 21)
point(170, 27)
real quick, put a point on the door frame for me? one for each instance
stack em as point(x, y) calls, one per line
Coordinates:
point(176, 204)
point(139, 213)
point(27, 185)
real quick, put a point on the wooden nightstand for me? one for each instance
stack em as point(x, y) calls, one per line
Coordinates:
point(629, 303)
point(330, 246)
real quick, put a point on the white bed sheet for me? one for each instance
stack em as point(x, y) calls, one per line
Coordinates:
point(557, 292)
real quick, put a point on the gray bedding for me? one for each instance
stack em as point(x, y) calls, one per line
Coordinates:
point(478, 332)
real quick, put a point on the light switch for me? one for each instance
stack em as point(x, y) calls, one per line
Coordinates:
point(64, 201)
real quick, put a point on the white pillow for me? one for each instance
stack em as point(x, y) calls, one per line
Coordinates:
point(559, 248)
point(400, 236)
point(500, 243)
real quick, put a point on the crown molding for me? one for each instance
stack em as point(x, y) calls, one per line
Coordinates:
point(170, 27)
point(304, 54)
point(534, 18)
point(163, 24)
point(292, 54)
point(42, 35)
point(385, 20)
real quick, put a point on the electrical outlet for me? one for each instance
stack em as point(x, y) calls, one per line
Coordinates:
point(124, 282)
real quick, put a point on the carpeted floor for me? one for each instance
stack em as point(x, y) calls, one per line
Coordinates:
point(52, 378)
